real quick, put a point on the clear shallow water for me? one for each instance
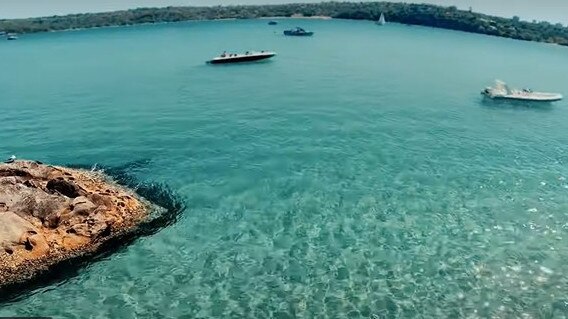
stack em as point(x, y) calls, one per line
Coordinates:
point(358, 175)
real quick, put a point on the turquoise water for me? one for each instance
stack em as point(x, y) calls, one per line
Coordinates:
point(357, 175)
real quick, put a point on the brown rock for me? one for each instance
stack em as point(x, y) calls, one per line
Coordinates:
point(80, 229)
point(102, 200)
point(16, 233)
point(32, 184)
point(9, 171)
point(63, 187)
point(83, 206)
point(37, 204)
point(99, 225)
point(50, 214)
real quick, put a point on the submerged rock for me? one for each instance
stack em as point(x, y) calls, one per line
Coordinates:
point(51, 214)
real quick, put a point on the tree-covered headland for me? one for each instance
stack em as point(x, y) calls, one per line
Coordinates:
point(406, 13)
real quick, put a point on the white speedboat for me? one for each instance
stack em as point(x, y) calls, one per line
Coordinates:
point(246, 57)
point(502, 91)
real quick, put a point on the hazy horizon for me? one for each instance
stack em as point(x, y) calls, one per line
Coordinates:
point(548, 10)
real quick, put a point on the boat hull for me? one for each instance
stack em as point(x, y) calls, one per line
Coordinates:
point(298, 34)
point(241, 59)
point(542, 100)
point(542, 97)
point(503, 92)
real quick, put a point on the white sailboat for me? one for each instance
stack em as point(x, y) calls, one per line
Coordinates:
point(382, 20)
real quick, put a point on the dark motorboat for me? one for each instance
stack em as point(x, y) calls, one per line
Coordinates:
point(10, 159)
point(237, 58)
point(298, 32)
point(11, 37)
point(272, 23)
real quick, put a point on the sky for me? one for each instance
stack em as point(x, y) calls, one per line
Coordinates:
point(548, 10)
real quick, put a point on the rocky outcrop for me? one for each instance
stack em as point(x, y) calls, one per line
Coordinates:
point(50, 214)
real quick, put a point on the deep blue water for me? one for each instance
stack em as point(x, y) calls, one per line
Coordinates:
point(358, 174)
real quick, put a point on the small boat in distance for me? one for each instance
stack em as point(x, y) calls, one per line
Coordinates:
point(298, 32)
point(272, 23)
point(242, 57)
point(10, 159)
point(382, 20)
point(502, 91)
point(11, 37)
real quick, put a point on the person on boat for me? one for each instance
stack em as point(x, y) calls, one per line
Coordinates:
point(224, 54)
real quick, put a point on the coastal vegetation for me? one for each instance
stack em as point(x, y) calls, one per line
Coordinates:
point(406, 13)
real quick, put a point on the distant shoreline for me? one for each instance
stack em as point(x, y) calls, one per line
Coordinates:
point(405, 13)
point(168, 22)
